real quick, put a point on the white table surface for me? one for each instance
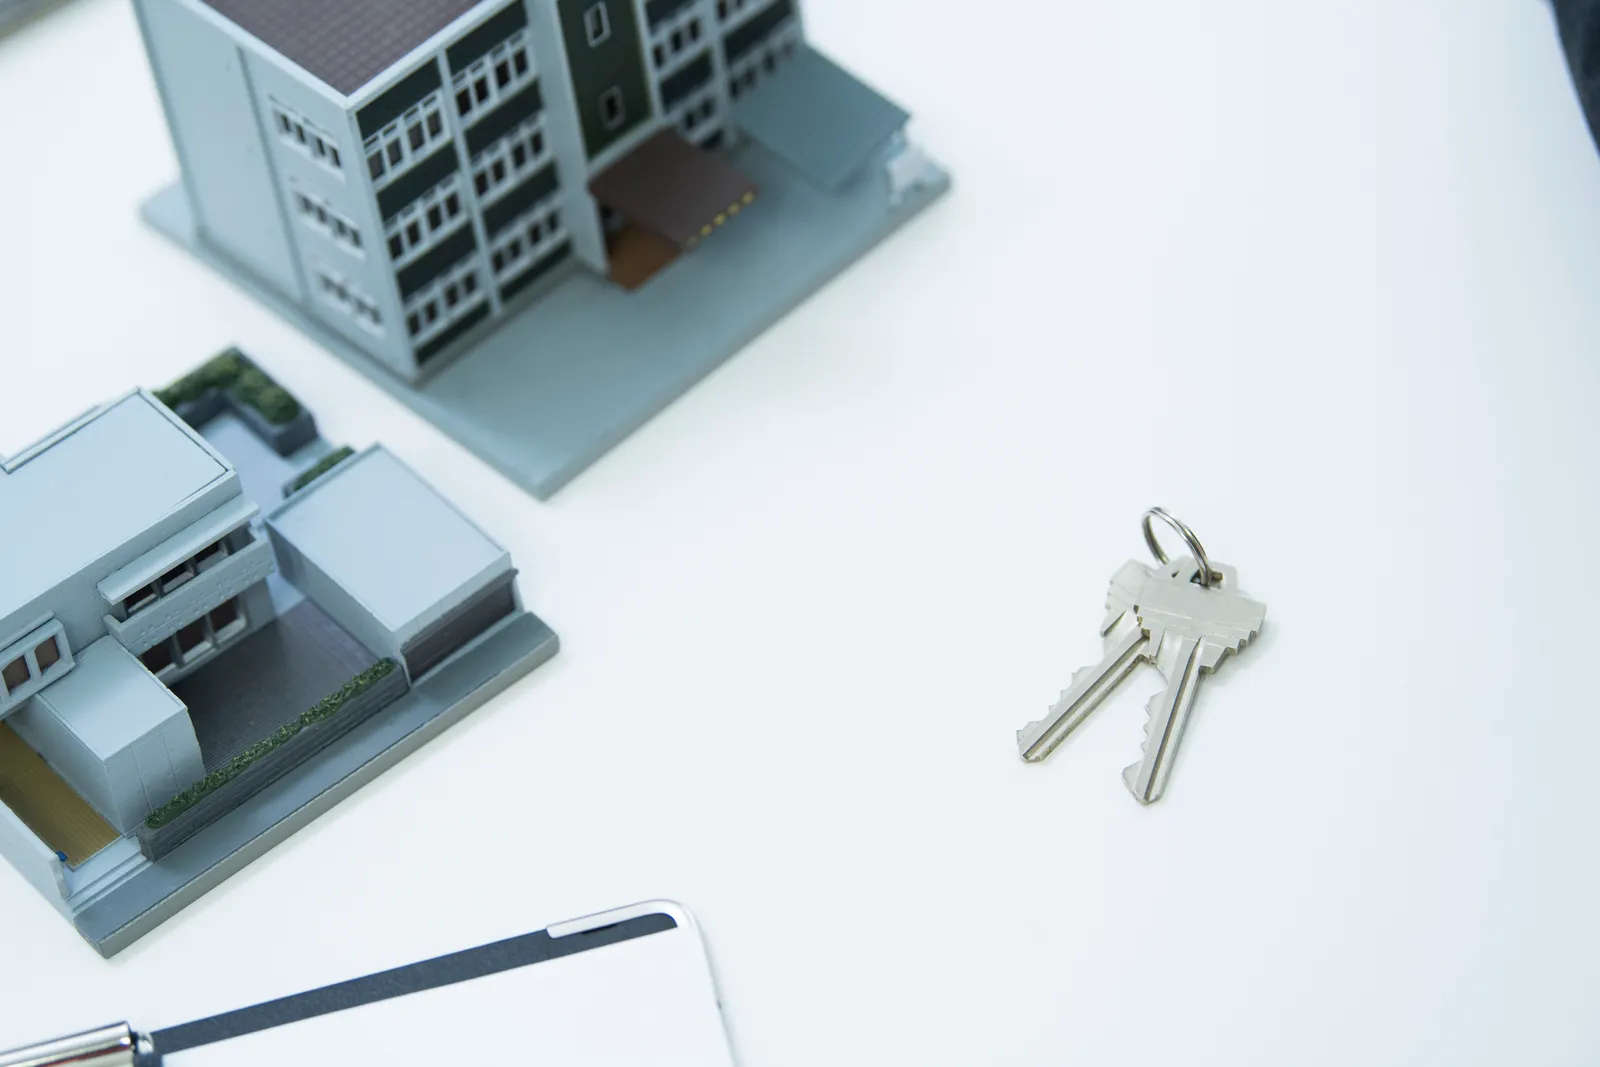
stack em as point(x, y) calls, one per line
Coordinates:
point(1324, 279)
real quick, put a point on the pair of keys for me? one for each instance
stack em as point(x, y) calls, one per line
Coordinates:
point(1184, 616)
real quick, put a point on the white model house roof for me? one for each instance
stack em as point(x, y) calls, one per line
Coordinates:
point(92, 487)
point(345, 43)
point(387, 539)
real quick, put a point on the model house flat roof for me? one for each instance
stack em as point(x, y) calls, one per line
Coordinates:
point(91, 488)
point(345, 43)
point(385, 537)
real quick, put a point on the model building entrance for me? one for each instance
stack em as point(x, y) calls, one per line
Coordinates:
point(666, 196)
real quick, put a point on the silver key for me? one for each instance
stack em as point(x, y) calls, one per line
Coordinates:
point(1191, 629)
point(1184, 617)
point(1127, 645)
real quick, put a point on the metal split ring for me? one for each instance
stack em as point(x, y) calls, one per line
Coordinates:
point(1207, 576)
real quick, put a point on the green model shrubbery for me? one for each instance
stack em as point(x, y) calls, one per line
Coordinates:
point(243, 381)
point(321, 467)
point(324, 709)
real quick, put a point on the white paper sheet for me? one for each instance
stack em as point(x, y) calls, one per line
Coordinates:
point(646, 1002)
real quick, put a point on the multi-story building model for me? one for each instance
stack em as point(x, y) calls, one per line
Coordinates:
point(183, 677)
point(405, 177)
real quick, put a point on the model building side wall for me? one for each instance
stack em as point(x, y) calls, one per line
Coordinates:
point(201, 74)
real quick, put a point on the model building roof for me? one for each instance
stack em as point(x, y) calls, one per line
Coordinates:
point(345, 43)
point(92, 487)
point(388, 539)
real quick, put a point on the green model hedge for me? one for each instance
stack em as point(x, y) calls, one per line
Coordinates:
point(242, 380)
point(321, 467)
point(324, 709)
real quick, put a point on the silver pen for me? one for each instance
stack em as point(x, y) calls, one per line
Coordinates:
point(109, 1046)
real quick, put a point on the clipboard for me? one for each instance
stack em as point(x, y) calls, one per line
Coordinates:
point(631, 986)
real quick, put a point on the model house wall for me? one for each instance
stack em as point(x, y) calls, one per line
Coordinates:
point(416, 596)
point(124, 523)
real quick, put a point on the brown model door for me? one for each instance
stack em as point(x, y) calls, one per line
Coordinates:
point(606, 57)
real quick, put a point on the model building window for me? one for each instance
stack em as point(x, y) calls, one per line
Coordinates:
point(139, 600)
point(192, 639)
point(407, 139)
point(211, 556)
point(16, 674)
point(301, 134)
point(226, 620)
point(597, 24)
point(47, 654)
point(611, 109)
point(158, 659)
point(176, 577)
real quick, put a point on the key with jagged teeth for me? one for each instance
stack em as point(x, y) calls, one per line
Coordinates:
point(1126, 646)
point(1185, 617)
point(1191, 629)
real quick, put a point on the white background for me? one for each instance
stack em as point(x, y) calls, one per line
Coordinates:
point(1322, 278)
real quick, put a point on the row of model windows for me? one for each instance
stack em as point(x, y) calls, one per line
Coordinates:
point(446, 300)
point(748, 70)
point(199, 638)
point(677, 42)
point(497, 75)
point(347, 297)
point(697, 113)
point(316, 213)
point(25, 668)
point(429, 216)
point(509, 158)
point(297, 131)
point(406, 139)
point(521, 244)
point(179, 576)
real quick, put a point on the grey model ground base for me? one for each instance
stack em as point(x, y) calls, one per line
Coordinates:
point(557, 386)
point(158, 890)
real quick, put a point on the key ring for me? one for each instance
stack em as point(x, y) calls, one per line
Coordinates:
point(1208, 577)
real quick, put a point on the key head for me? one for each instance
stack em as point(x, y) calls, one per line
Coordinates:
point(1173, 602)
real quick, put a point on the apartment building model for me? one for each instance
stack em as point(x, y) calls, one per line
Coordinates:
point(538, 221)
point(183, 679)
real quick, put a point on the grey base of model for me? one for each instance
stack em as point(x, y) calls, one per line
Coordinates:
point(155, 891)
point(555, 387)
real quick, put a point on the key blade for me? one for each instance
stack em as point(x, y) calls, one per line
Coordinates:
point(1125, 646)
point(1168, 716)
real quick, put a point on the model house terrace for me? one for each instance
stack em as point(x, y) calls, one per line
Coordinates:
point(181, 672)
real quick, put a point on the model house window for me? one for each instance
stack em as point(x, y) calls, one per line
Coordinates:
point(597, 24)
point(431, 310)
point(505, 162)
point(196, 640)
point(407, 139)
point(611, 109)
point(226, 620)
point(494, 77)
point(420, 224)
point(319, 215)
point(349, 298)
point(47, 654)
point(139, 600)
point(158, 658)
point(15, 674)
point(676, 41)
point(299, 133)
point(526, 239)
point(176, 577)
